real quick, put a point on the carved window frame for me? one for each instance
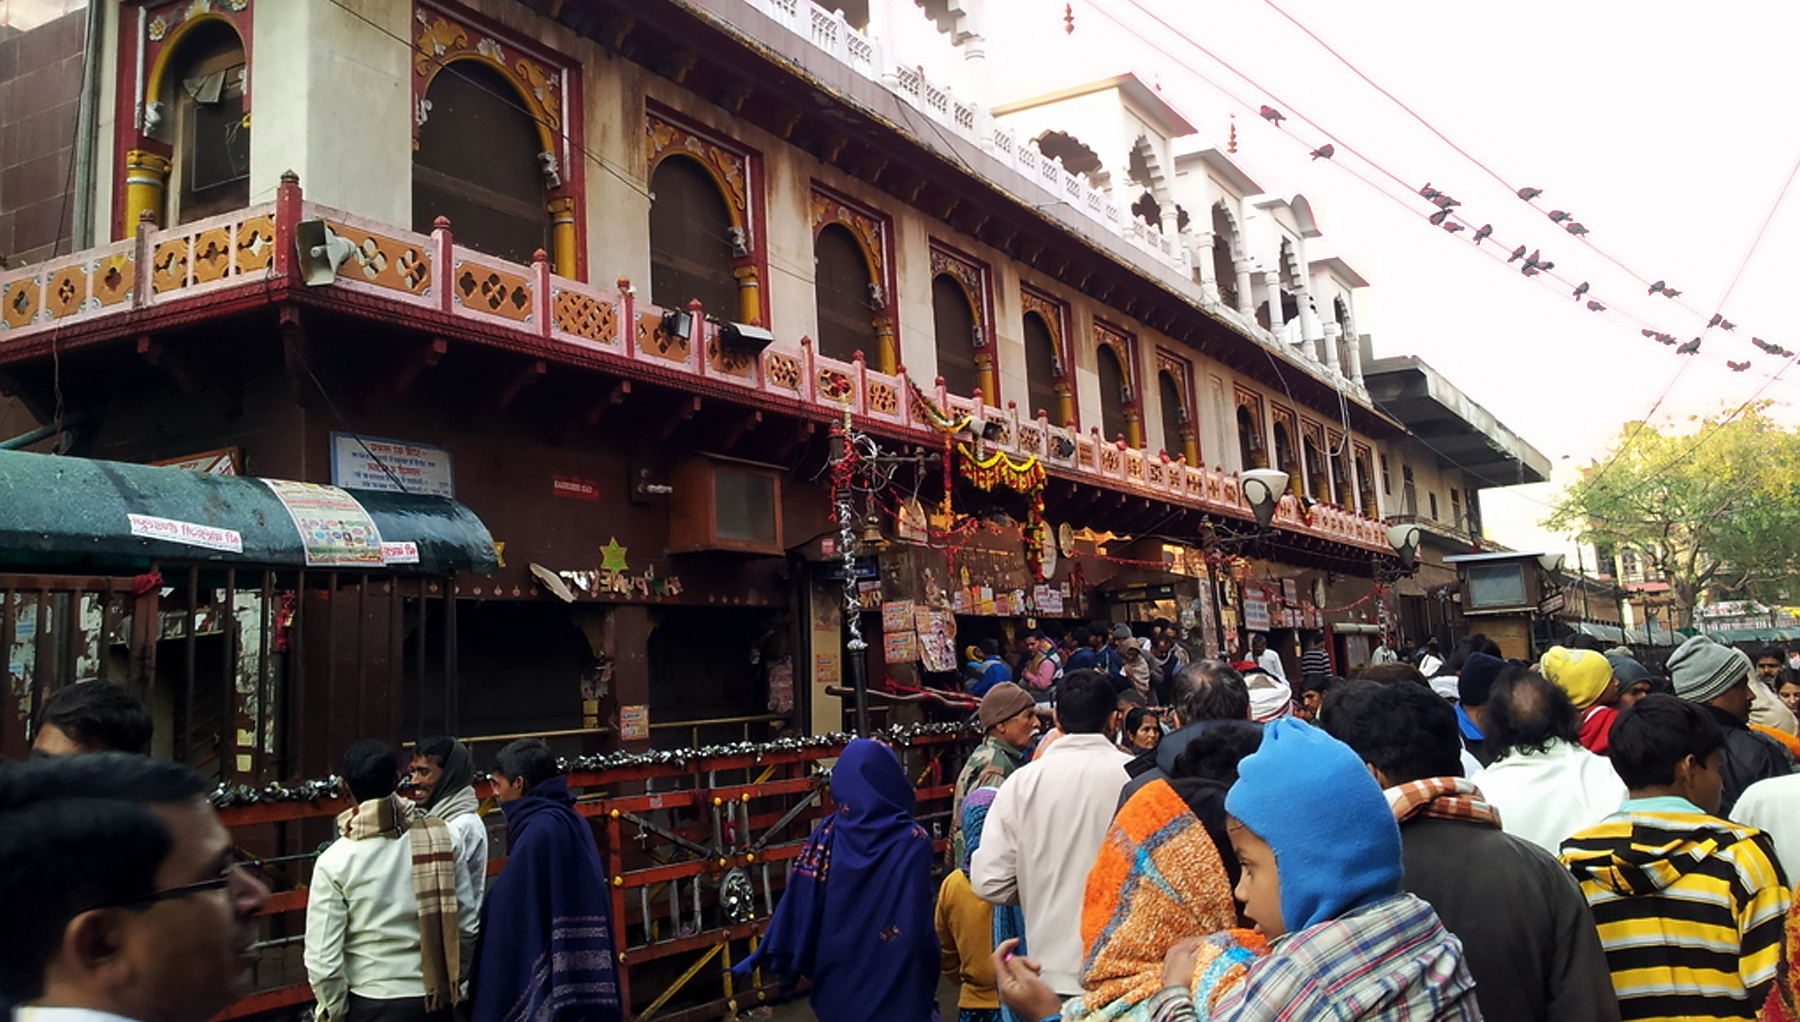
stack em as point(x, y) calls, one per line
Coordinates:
point(736, 168)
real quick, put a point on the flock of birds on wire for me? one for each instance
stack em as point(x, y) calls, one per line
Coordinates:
point(1534, 263)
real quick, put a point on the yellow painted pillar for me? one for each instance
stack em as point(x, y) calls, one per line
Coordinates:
point(1065, 405)
point(1190, 448)
point(562, 236)
point(1134, 429)
point(749, 292)
point(146, 179)
point(989, 381)
point(887, 359)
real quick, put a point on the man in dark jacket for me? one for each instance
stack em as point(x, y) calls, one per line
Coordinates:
point(1527, 934)
point(1205, 693)
point(1718, 678)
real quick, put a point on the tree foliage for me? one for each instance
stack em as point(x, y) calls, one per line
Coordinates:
point(1713, 510)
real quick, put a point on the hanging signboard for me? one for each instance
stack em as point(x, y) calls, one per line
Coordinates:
point(369, 463)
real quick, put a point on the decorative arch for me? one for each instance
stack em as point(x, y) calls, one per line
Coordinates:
point(1284, 435)
point(1252, 447)
point(1180, 372)
point(1054, 314)
point(1312, 460)
point(874, 236)
point(1077, 156)
point(737, 172)
point(974, 278)
point(1227, 252)
point(548, 87)
point(1303, 216)
point(148, 46)
point(1123, 347)
point(1145, 168)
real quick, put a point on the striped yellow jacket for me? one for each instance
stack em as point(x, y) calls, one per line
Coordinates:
point(1690, 909)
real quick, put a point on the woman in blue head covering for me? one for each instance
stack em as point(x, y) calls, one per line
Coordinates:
point(856, 918)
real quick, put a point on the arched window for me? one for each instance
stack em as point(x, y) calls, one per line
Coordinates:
point(203, 118)
point(690, 240)
point(1148, 210)
point(1112, 393)
point(1284, 455)
point(1224, 266)
point(847, 307)
point(1168, 395)
point(1365, 481)
point(1041, 364)
point(955, 321)
point(1250, 443)
point(477, 164)
point(1318, 482)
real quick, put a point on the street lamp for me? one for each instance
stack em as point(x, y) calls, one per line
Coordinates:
point(1551, 563)
point(1263, 488)
point(1404, 538)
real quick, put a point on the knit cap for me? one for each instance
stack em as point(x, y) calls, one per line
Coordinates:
point(1310, 798)
point(1627, 670)
point(1581, 673)
point(1002, 702)
point(1479, 672)
point(1702, 670)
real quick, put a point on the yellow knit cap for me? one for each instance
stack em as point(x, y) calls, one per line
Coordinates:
point(1582, 673)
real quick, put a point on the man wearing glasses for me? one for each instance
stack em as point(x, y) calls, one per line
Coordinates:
point(120, 896)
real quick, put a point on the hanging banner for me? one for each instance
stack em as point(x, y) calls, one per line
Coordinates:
point(334, 529)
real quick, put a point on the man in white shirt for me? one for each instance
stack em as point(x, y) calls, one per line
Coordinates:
point(1047, 824)
point(1266, 658)
point(373, 951)
point(1544, 785)
point(120, 896)
point(1772, 805)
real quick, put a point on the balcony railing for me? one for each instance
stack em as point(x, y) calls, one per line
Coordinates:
point(247, 256)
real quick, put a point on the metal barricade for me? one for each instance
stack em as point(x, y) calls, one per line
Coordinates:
point(696, 848)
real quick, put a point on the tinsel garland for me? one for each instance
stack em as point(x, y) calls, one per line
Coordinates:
point(937, 418)
point(1026, 477)
point(229, 796)
point(998, 469)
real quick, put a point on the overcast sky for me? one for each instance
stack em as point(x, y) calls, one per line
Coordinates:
point(1663, 126)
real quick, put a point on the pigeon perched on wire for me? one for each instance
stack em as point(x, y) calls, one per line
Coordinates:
point(1576, 229)
point(1689, 347)
point(1445, 202)
point(1437, 219)
point(1715, 321)
point(1658, 336)
point(1272, 115)
point(1533, 262)
point(1661, 288)
point(1738, 367)
point(1726, 324)
point(1453, 228)
point(1774, 349)
point(1518, 253)
point(1324, 152)
point(1580, 289)
point(1429, 192)
point(1557, 216)
point(1481, 232)
point(1529, 193)
point(1594, 306)
point(1528, 270)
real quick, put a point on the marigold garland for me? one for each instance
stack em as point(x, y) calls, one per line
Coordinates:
point(997, 469)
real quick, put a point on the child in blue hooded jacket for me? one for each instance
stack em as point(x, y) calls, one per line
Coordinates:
point(1321, 868)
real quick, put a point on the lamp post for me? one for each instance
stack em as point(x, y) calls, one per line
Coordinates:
point(1262, 489)
point(1404, 538)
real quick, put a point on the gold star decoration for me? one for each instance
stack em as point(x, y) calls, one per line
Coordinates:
point(612, 556)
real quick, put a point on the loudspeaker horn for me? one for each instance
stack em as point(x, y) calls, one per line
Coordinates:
point(321, 252)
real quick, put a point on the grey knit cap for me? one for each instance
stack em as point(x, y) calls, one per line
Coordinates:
point(1702, 670)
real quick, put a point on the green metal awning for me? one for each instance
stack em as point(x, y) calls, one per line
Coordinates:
point(71, 513)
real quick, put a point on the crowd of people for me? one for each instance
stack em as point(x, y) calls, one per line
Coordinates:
point(1578, 837)
point(122, 897)
point(1455, 835)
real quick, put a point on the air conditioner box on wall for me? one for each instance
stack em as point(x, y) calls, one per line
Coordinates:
point(727, 504)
